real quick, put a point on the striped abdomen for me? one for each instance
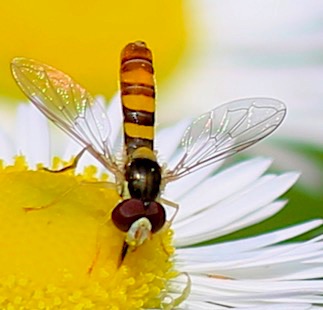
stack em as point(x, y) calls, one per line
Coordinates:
point(138, 96)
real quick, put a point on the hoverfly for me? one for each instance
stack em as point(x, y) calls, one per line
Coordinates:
point(211, 137)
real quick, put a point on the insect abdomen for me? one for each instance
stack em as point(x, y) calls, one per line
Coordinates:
point(138, 96)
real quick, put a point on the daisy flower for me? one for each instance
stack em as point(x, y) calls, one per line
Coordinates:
point(60, 247)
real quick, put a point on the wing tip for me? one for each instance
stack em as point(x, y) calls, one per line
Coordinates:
point(277, 103)
point(16, 66)
point(17, 61)
point(270, 102)
point(20, 63)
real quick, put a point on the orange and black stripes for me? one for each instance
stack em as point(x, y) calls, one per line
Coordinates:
point(138, 96)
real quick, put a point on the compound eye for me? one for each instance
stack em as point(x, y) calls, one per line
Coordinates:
point(156, 214)
point(127, 212)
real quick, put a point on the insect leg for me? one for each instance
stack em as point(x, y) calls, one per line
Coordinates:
point(53, 202)
point(68, 191)
point(170, 204)
point(169, 302)
point(72, 165)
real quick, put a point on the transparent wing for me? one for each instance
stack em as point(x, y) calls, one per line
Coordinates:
point(68, 105)
point(225, 131)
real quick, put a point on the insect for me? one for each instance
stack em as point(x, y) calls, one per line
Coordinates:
point(211, 137)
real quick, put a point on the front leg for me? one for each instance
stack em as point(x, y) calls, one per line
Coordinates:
point(170, 204)
point(71, 166)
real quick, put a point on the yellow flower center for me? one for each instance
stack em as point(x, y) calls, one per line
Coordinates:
point(60, 249)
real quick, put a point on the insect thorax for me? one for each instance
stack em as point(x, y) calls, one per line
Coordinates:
point(144, 177)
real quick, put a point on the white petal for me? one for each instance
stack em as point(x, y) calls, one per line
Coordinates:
point(255, 293)
point(207, 306)
point(250, 219)
point(222, 185)
point(199, 227)
point(7, 149)
point(225, 250)
point(176, 189)
point(32, 135)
